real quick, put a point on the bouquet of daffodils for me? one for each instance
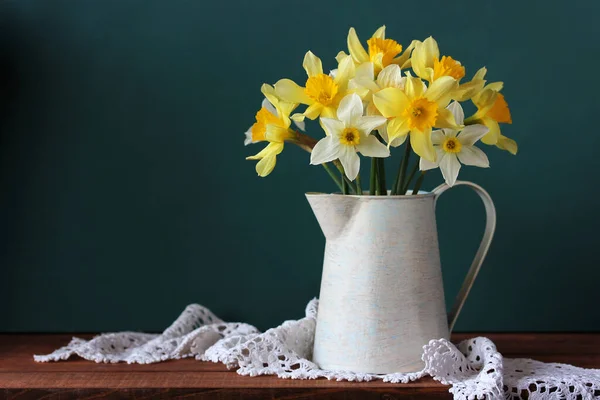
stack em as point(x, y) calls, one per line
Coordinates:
point(380, 98)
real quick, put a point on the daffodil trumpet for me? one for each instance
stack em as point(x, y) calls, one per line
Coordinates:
point(380, 96)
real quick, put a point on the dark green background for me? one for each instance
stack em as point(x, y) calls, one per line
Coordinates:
point(124, 193)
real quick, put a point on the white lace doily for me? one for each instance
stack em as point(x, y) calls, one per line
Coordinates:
point(475, 369)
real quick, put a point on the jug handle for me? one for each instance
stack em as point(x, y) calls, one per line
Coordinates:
point(490, 226)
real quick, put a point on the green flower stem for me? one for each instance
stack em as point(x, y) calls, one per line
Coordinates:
point(373, 181)
point(333, 175)
point(419, 183)
point(381, 177)
point(411, 175)
point(399, 183)
point(358, 185)
point(344, 185)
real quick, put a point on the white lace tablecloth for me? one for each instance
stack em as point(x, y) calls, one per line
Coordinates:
point(474, 368)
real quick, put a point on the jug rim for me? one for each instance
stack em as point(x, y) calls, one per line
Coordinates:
point(421, 195)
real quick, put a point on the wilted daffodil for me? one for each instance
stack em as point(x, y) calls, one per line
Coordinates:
point(492, 110)
point(348, 134)
point(453, 148)
point(416, 110)
point(381, 51)
point(322, 93)
point(272, 125)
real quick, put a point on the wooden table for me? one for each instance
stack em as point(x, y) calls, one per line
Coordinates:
point(22, 378)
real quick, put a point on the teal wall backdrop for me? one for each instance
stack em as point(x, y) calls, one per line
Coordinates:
point(125, 196)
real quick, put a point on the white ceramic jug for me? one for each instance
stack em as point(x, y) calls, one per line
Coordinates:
point(382, 296)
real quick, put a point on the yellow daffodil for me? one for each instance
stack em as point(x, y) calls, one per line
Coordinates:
point(347, 134)
point(427, 64)
point(416, 110)
point(322, 93)
point(381, 51)
point(492, 110)
point(272, 125)
point(454, 147)
point(365, 85)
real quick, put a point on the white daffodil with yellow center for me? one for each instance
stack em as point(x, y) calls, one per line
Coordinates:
point(416, 110)
point(348, 134)
point(454, 147)
point(272, 125)
point(322, 93)
point(427, 64)
point(492, 110)
point(381, 51)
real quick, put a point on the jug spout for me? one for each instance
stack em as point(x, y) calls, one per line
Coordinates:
point(333, 212)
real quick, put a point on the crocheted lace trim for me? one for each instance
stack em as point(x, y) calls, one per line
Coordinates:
point(474, 368)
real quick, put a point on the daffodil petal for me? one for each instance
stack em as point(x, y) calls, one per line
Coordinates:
point(431, 49)
point(471, 155)
point(471, 134)
point(332, 127)
point(495, 86)
point(269, 92)
point(298, 118)
point(289, 91)
point(268, 106)
point(507, 144)
point(480, 74)
point(396, 128)
point(441, 89)
point(326, 150)
point(390, 76)
point(413, 87)
point(493, 134)
point(350, 109)
point(390, 102)
point(357, 51)
point(248, 138)
point(300, 125)
point(450, 167)
point(350, 161)
point(403, 60)
point(423, 56)
point(457, 111)
point(421, 144)
point(370, 146)
point(437, 137)
point(329, 112)
point(425, 165)
point(268, 150)
point(397, 141)
point(276, 133)
point(312, 64)
point(340, 56)
point(484, 101)
point(284, 109)
point(363, 83)
point(365, 70)
point(467, 90)
point(445, 119)
point(345, 71)
point(313, 111)
point(379, 33)
point(266, 165)
point(366, 124)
